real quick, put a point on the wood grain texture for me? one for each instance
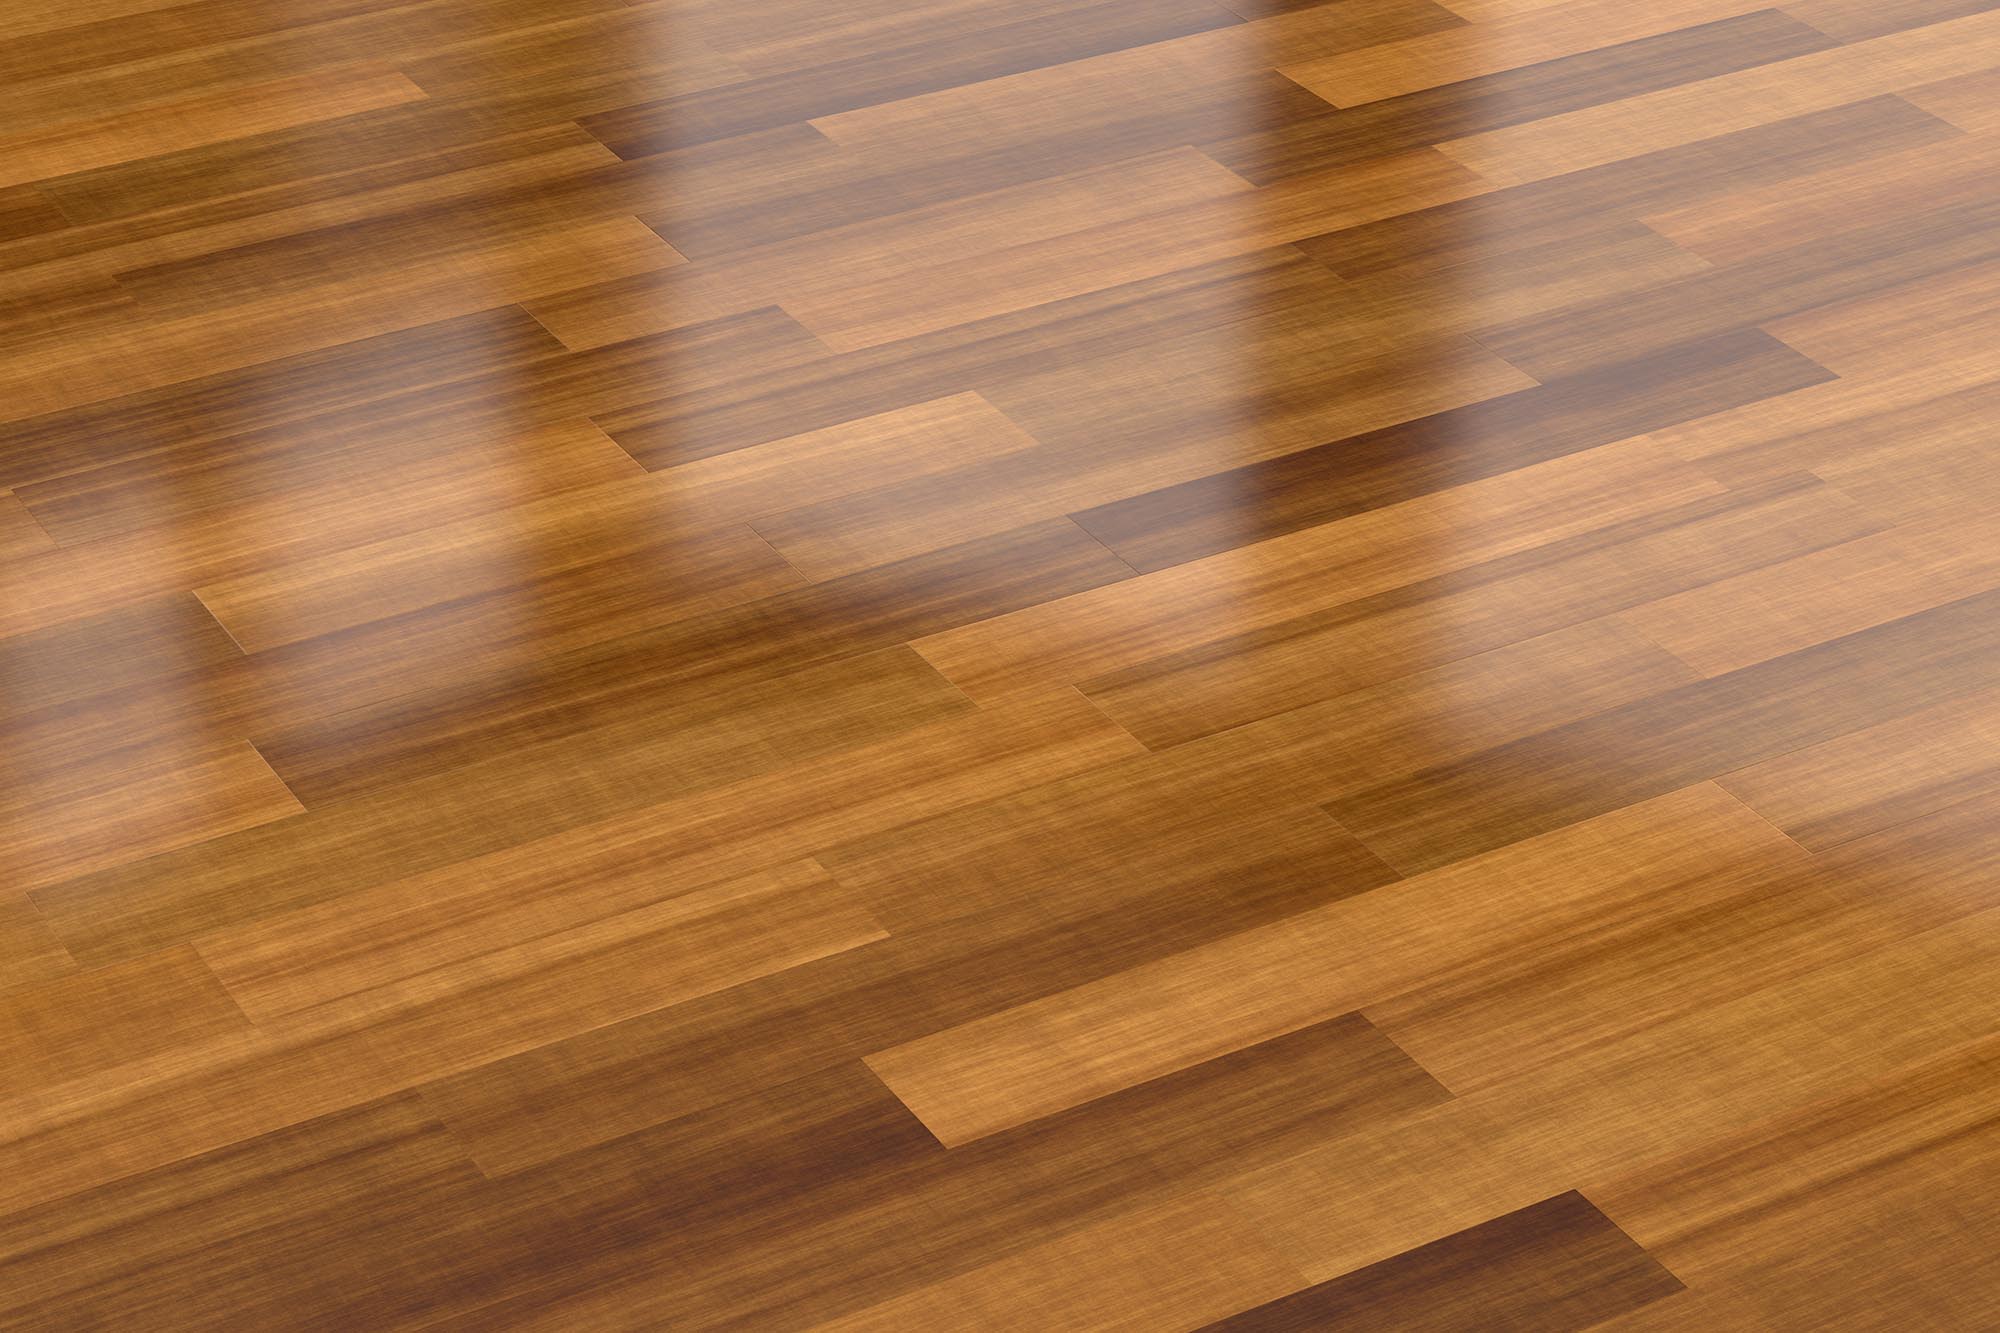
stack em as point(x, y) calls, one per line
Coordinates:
point(1013, 1067)
point(1558, 1264)
point(959, 664)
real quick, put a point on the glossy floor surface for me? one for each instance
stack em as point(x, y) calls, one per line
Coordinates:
point(1030, 664)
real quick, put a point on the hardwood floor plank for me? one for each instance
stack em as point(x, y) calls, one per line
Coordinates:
point(1548, 211)
point(802, 36)
point(118, 32)
point(986, 1076)
point(1436, 637)
point(1966, 101)
point(1852, 22)
point(1130, 249)
point(1486, 103)
point(39, 16)
point(492, 554)
point(1769, 1250)
point(856, 532)
point(1186, 87)
point(1480, 1031)
point(159, 802)
point(269, 393)
point(475, 238)
point(770, 816)
point(555, 390)
point(1679, 1086)
point(335, 481)
point(1758, 291)
point(437, 1022)
point(892, 74)
point(339, 954)
point(1698, 731)
point(179, 346)
point(1146, 827)
point(743, 644)
point(1837, 431)
point(1351, 476)
point(669, 1063)
point(1151, 1144)
point(258, 1215)
point(768, 483)
point(1558, 1264)
point(26, 211)
point(1867, 334)
point(115, 651)
point(20, 534)
point(1749, 224)
point(846, 185)
point(1509, 41)
point(1330, 365)
point(89, 1021)
point(1595, 260)
point(815, 392)
point(601, 43)
point(1936, 479)
point(1827, 429)
point(28, 951)
point(1241, 590)
point(1881, 577)
point(237, 114)
point(1020, 663)
point(1877, 778)
point(1169, 1264)
point(1680, 115)
point(316, 162)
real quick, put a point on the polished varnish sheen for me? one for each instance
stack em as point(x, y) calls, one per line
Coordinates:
point(999, 664)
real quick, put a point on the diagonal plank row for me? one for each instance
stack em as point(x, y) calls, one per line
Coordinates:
point(950, 664)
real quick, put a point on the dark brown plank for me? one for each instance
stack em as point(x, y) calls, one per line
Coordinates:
point(954, 1209)
point(283, 390)
point(964, 943)
point(1949, 234)
point(757, 641)
point(26, 211)
point(1555, 1265)
point(1345, 477)
point(1543, 211)
point(1343, 136)
point(283, 1229)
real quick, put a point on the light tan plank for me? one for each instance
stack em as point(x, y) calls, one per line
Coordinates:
point(1780, 609)
point(173, 796)
point(1674, 116)
point(1239, 591)
point(1024, 1063)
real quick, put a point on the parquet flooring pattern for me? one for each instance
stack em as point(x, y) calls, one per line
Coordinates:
point(999, 664)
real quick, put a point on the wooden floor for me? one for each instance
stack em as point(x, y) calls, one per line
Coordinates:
point(999, 664)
